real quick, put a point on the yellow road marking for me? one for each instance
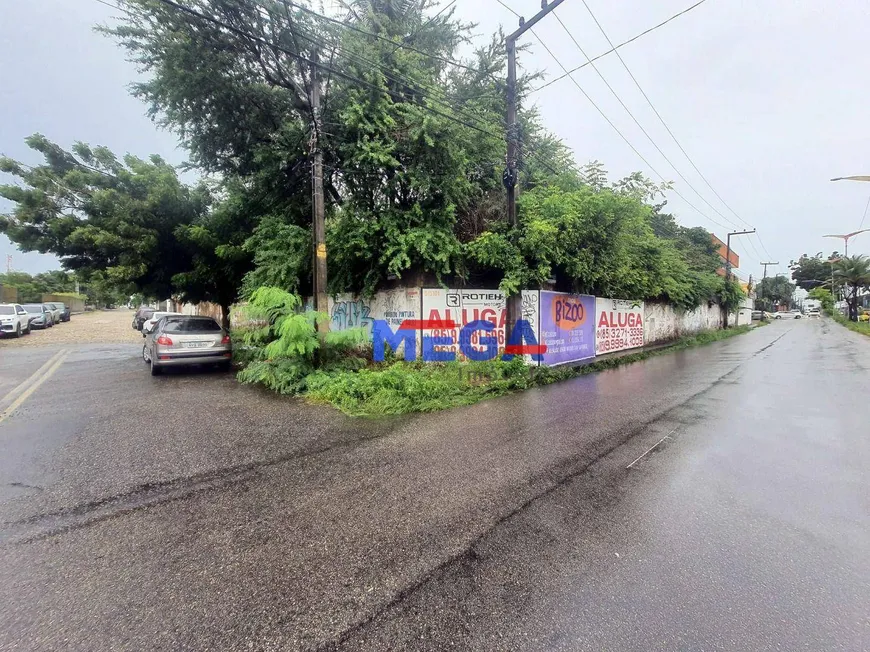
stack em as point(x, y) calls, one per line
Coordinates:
point(32, 377)
point(48, 374)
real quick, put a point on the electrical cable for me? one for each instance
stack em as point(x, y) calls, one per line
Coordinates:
point(621, 135)
point(665, 125)
point(388, 40)
point(640, 126)
point(614, 49)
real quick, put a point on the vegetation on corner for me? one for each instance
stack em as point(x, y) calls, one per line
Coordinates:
point(278, 346)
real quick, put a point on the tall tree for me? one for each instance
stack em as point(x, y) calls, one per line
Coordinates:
point(774, 291)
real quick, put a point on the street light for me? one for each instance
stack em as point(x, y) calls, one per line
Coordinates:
point(845, 238)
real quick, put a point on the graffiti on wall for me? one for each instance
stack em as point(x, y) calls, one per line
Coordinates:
point(351, 314)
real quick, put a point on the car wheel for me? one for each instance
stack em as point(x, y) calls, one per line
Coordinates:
point(18, 330)
point(145, 355)
point(155, 370)
point(225, 366)
point(27, 330)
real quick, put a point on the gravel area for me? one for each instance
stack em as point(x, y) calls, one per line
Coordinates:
point(102, 326)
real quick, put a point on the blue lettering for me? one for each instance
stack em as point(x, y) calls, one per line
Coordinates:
point(383, 335)
point(522, 333)
point(431, 355)
point(491, 343)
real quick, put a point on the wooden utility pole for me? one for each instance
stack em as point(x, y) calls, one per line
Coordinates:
point(764, 278)
point(510, 178)
point(321, 301)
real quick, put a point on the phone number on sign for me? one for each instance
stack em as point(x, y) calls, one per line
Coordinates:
point(614, 339)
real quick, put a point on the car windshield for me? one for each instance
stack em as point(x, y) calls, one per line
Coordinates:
point(33, 307)
point(147, 314)
point(7, 310)
point(204, 325)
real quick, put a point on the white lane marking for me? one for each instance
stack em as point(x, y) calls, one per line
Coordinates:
point(32, 377)
point(651, 448)
point(48, 374)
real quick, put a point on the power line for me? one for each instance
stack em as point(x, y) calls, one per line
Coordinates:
point(621, 135)
point(667, 128)
point(639, 125)
point(865, 214)
point(388, 40)
point(613, 49)
point(296, 55)
point(351, 78)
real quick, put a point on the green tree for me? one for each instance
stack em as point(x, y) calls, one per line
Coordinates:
point(826, 298)
point(854, 274)
point(809, 272)
point(774, 291)
point(102, 216)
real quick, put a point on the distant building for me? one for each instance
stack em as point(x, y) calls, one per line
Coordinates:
point(723, 255)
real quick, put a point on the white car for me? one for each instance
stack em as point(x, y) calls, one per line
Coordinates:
point(14, 320)
point(149, 324)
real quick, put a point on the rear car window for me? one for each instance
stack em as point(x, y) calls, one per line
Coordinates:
point(7, 310)
point(205, 325)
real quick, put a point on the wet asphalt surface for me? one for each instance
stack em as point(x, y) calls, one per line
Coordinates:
point(187, 512)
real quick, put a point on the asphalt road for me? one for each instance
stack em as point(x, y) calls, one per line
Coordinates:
point(187, 512)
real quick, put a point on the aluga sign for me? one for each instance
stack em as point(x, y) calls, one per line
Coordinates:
point(522, 340)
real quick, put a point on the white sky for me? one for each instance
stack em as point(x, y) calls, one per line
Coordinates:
point(767, 97)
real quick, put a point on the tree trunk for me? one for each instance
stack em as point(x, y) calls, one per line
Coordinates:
point(225, 316)
point(853, 304)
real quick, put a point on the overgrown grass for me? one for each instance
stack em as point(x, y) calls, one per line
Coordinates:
point(400, 387)
point(862, 327)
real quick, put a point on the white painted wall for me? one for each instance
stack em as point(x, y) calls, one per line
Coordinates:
point(665, 322)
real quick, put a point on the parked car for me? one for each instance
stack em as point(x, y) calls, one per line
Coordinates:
point(142, 315)
point(55, 312)
point(14, 320)
point(184, 340)
point(148, 324)
point(39, 315)
point(793, 314)
point(757, 314)
point(814, 313)
point(64, 310)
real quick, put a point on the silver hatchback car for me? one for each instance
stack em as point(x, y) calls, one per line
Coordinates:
point(182, 340)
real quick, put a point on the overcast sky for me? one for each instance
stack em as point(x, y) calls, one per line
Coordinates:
point(768, 98)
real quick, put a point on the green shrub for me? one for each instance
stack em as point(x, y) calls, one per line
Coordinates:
point(279, 347)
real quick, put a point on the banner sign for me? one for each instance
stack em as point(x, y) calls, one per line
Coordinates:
point(618, 325)
point(465, 306)
point(567, 327)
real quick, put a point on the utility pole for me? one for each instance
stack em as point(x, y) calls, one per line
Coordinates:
point(728, 261)
point(510, 178)
point(321, 301)
point(765, 265)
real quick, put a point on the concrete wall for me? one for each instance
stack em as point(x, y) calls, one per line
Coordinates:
point(8, 294)
point(665, 322)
